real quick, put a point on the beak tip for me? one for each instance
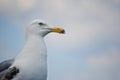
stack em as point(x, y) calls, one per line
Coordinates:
point(63, 31)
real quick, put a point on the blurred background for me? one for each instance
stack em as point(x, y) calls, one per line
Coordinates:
point(90, 49)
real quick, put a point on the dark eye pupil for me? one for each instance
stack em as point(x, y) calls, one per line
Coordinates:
point(41, 23)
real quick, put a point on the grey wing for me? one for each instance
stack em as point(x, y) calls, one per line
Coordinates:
point(6, 64)
point(9, 73)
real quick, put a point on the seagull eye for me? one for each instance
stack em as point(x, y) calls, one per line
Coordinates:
point(41, 24)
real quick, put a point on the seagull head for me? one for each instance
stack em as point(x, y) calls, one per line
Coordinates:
point(41, 28)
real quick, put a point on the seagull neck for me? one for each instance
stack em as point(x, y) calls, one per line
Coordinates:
point(34, 38)
point(35, 46)
point(34, 53)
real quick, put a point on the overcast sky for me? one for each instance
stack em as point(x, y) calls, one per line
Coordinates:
point(90, 49)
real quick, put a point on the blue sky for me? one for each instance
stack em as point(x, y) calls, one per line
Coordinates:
point(90, 49)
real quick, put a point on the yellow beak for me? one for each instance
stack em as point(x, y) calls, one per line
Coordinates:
point(58, 30)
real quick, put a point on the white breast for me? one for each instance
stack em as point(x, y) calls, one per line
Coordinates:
point(32, 61)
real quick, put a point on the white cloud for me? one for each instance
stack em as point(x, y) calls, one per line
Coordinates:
point(6, 6)
point(16, 6)
point(106, 60)
point(26, 5)
point(56, 5)
point(116, 1)
point(83, 20)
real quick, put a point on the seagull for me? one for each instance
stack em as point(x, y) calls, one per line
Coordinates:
point(31, 62)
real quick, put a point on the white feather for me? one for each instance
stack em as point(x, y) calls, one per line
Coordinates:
point(32, 61)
